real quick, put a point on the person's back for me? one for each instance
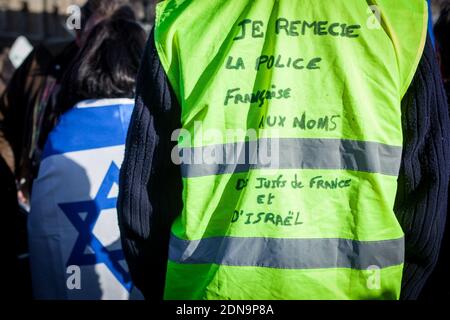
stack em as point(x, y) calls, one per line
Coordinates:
point(80, 171)
point(289, 153)
point(78, 174)
point(312, 205)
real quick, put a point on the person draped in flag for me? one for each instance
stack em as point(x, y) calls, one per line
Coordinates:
point(74, 238)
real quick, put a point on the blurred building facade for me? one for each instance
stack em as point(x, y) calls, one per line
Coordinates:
point(45, 19)
point(35, 19)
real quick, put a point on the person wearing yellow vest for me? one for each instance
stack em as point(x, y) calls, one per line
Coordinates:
point(282, 178)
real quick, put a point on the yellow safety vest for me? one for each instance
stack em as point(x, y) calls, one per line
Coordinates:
point(290, 146)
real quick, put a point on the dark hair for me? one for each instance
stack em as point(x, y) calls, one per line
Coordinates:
point(101, 8)
point(442, 33)
point(107, 7)
point(107, 64)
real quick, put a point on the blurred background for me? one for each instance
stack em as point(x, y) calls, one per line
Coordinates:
point(45, 21)
point(436, 8)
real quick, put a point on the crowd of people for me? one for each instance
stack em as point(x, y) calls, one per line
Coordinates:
point(100, 63)
point(38, 105)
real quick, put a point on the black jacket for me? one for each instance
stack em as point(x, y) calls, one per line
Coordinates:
point(150, 185)
point(27, 112)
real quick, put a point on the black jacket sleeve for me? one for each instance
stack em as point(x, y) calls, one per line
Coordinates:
point(421, 205)
point(150, 186)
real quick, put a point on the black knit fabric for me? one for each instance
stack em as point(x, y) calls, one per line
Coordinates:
point(150, 185)
point(422, 197)
point(438, 285)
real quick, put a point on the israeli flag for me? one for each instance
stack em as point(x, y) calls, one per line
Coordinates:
point(74, 238)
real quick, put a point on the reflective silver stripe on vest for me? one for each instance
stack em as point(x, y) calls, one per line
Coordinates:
point(291, 154)
point(288, 253)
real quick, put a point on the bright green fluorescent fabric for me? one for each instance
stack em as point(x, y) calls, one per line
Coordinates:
point(324, 81)
point(199, 282)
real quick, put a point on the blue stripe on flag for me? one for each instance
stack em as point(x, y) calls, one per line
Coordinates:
point(105, 127)
point(430, 23)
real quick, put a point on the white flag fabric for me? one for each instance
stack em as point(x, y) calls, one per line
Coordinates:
point(74, 238)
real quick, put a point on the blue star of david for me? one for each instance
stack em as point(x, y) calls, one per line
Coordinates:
point(86, 238)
